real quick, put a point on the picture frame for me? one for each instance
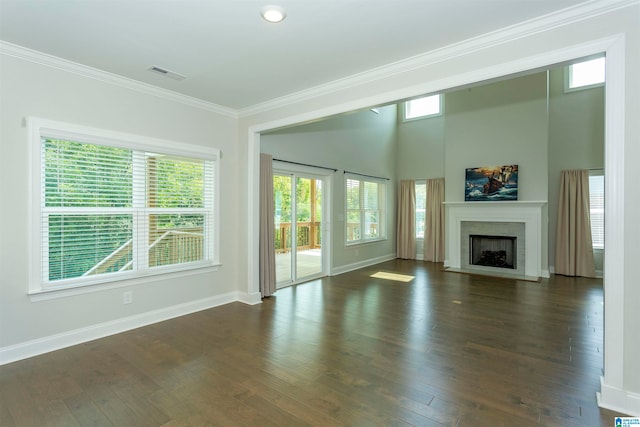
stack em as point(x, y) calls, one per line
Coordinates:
point(491, 183)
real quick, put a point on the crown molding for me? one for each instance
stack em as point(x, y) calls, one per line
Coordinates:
point(51, 61)
point(531, 27)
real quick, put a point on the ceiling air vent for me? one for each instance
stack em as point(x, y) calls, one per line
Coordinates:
point(164, 72)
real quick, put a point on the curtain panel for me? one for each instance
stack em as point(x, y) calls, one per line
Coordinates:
point(267, 251)
point(574, 248)
point(406, 229)
point(435, 221)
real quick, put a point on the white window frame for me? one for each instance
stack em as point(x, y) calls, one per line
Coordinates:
point(38, 284)
point(382, 209)
point(568, 76)
point(405, 108)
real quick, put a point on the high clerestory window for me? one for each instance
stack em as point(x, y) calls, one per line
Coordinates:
point(116, 206)
point(585, 74)
point(421, 108)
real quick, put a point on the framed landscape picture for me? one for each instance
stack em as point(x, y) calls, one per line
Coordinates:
point(491, 183)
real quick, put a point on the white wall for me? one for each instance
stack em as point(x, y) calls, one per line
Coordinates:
point(536, 45)
point(29, 89)
point(361, 142)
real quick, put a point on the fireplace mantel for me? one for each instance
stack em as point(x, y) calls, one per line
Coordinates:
point(501, 204)
point(527, 212)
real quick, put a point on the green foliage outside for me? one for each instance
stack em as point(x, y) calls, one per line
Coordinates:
point(81, 176)
point(282, 199)
point(282, 192)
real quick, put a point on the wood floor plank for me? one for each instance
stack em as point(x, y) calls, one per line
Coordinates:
point(443, 349)
point(85, 411)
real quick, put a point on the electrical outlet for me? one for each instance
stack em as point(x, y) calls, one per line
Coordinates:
point(128, 297)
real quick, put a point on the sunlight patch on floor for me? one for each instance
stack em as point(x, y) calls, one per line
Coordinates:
point(393, 276)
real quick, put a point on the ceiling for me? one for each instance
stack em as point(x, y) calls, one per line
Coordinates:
point(231, 57)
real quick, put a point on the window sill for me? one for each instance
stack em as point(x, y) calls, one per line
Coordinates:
point(364, 242)
point(49, 294)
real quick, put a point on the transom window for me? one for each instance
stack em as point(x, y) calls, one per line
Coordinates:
point(113, 208)
point(585, 74)
point(365, 209)
point(424, 107)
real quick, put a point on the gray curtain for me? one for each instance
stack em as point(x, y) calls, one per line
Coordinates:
point(434, 227)
point(267, 254)
point(574, 249)
point(406, 230)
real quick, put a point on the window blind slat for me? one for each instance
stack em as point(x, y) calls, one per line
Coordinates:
point(596, 209)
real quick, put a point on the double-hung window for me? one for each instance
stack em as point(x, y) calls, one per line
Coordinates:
point(365, 209)
point(111, 206)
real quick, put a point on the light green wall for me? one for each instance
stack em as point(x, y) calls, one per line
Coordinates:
point(420, 147)
point(502, 123)
point(576, 141)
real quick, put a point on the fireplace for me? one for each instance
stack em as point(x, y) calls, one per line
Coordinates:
point(490, 246)
point(522, 220)
point(493, 251)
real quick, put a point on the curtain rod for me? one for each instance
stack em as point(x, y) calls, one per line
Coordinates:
point(370, 176)
point(304, 164)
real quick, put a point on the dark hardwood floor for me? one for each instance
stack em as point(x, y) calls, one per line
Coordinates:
point(444, 349)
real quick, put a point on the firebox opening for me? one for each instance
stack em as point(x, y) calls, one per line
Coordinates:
point(493, 251)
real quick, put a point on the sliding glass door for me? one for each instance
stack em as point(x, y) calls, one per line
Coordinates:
point(298, 202)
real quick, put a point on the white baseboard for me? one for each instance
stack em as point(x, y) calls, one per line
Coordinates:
point(618, 400)
point(38, 346)
point(250, 299)
point(361, 264)
point(552, 270)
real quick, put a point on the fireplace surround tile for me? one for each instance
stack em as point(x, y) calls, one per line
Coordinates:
point(526, 213)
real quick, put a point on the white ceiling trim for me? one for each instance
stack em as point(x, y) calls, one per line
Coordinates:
point(527, 28)
point(51, 61)
point(557, 19)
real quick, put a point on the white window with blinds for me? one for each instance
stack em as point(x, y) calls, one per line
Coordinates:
point(421, 208)
point(365, 209)
point(596, 207)
point(110, 206)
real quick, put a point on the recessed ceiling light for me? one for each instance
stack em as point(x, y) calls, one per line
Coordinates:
point(273, 13)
